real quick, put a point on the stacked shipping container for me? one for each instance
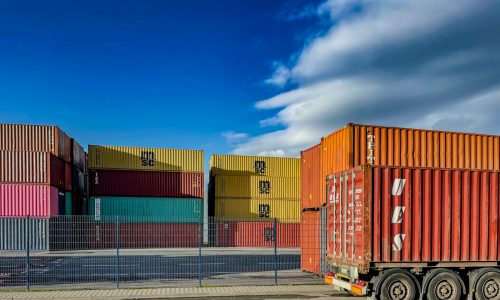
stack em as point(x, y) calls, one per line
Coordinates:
point(36, 178)
point(36, 171)
point(154, 196)
point(245, 189)
point(411, 151)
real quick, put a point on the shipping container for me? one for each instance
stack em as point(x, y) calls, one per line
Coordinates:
point(261, 187)
point(102, 235)
point(256, 234)
point(285, 210)
point(311, 181)
point(18, 233)
point(32, 167)
point(78, 153)
point(310, 249)
point(146, 184)
point(34, 200)
point(143, 209)
point(18, 137)
point(139, 158)
point(238, 165)
point(357, 144)
point(400, 218)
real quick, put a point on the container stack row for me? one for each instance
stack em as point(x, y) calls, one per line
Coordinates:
point(153, 196)
point(37, 171)
point(348, 155)
point(247, 194)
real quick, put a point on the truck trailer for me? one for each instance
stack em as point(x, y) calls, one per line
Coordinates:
point(414, 233)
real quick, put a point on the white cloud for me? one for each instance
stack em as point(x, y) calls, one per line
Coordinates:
point(422, 63)
point(232, 137)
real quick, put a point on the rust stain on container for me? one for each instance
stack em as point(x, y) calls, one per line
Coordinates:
point(410, 214)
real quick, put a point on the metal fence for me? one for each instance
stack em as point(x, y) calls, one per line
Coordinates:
point(69, 252)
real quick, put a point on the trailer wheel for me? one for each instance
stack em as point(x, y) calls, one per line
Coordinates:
point(488, 286)
point(444, 286)
point(398, 286)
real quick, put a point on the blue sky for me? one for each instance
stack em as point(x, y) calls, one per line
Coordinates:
point(248, 76)
point(154, 73)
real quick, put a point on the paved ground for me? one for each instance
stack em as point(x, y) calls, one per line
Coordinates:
point(242, 293)
point(151, 267)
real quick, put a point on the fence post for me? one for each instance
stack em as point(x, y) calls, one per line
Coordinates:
point(200, 241)
point(27, 245)
point(275, 235)
point(117, 238)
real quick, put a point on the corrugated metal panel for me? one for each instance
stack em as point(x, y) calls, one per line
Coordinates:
point(68, 205)
point(78, 155)
point(15, 231)
point(237, 165)
point(310, 232)
point(324, 266)
point(418, 214)
point(51, 139)
point(312, 184)
point(141, 210)
point(285, 210)
point(146, 183)
point(35, 200)
point(138, 158)
point(31, 167)
point(257, 234)
point(261, 187)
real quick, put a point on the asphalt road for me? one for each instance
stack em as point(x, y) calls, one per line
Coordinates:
point(150, 268)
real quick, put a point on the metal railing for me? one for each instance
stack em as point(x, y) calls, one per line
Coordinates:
point(68, 252)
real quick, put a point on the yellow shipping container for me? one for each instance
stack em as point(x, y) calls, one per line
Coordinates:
point(138, 158)
point(262, 187)
point(285, 210)
point(254, 165)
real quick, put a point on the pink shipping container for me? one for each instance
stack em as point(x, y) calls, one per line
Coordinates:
point(35, 200)
point(257, 234)
point(18, 137)
point(146, 184)
point(34, 167)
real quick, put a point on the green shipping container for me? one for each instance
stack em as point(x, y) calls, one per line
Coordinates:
point(145, 210)
point(68, 205)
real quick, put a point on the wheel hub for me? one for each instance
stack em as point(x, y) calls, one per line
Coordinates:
point(398, 290)
point(491, 289)
point(445, 290)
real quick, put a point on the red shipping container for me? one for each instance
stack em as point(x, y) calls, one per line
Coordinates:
point(145, 184)
point(144, 235)
point(409, 215)
point(32, 167)
point(68, 177)
point(311, 183)
point(19, 137)
point(257, 234)
point(34, 200)
point(310, 227)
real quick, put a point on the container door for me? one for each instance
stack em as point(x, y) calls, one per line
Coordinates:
point(346, 216)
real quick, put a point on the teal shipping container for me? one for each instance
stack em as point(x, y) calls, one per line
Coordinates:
point(68, 205)
point(145, 209)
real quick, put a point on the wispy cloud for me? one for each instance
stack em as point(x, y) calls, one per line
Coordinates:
point(422, 63)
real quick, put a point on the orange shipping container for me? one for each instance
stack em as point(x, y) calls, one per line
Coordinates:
point(310, 227)
point(357, 144)
point(17, 137)
point(311, 180)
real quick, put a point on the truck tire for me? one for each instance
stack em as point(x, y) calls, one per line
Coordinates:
point(444, 286)
point(488, 287)
point(398, 286)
